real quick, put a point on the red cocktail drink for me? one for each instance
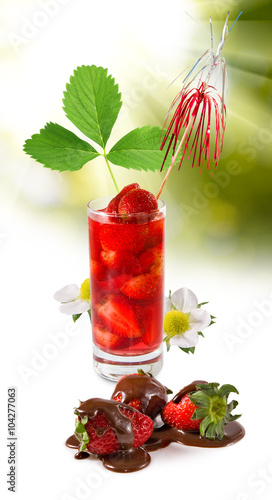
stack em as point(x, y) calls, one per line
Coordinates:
point(127, 289)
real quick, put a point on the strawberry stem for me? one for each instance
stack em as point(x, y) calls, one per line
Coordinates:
point(110, 170)
point(174, 157)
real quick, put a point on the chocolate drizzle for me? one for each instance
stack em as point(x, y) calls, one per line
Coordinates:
point(151, 393)
point(187, 389)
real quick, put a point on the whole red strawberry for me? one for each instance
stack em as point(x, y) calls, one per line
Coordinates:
point(180, 414)
point(112, 207)
point(137, 201)
point(105, 426)
point(205, 409)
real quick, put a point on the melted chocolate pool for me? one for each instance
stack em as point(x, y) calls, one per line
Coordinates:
point(128, 461)
point(72, 442)
point(165, 435)
point(122, 461)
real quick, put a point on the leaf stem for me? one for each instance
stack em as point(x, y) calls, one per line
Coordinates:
point(110, 170)
point(174, 157)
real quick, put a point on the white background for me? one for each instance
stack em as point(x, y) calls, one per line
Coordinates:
point(40, 254)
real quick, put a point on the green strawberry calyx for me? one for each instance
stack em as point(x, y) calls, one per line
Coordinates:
point(213, 408)
point(81, 433)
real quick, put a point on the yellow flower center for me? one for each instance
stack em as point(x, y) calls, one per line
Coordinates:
point(176, 323)
point(85, 292)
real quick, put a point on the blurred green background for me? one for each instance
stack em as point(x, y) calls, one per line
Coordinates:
point(228, 217)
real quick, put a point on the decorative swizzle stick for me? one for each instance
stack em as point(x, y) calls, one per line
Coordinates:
point(194, 106)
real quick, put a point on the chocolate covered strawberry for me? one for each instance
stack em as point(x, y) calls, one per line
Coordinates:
point(142, 391)
point(205, 410)
point(104, 427)
point(119, 395)
point(135, 403)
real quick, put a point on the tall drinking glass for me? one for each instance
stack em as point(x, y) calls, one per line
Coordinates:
point(127, 289)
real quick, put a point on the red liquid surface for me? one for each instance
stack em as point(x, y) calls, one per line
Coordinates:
point(127, 283)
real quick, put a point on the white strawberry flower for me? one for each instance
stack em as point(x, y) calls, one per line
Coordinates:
point(184, 320)
point(74, 300)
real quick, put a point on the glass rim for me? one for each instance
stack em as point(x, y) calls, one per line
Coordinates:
point(107, 199)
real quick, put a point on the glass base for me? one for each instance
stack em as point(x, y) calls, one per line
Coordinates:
point(114, 367)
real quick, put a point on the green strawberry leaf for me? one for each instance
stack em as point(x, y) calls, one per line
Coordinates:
point(231, 406)
point(81, 433)
point(211, 431)
point(188, 350)
point(59, 149)
point(226, 389)
point(204, 424)
point(139, 150)
point(76, 316)
point(231, 418)
point(200, 399)
point(80, 429)
point(202, 304)
point(219, 431)
point(92, 102)
point(199, 413)
point(85, 437)
point(208, 388)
